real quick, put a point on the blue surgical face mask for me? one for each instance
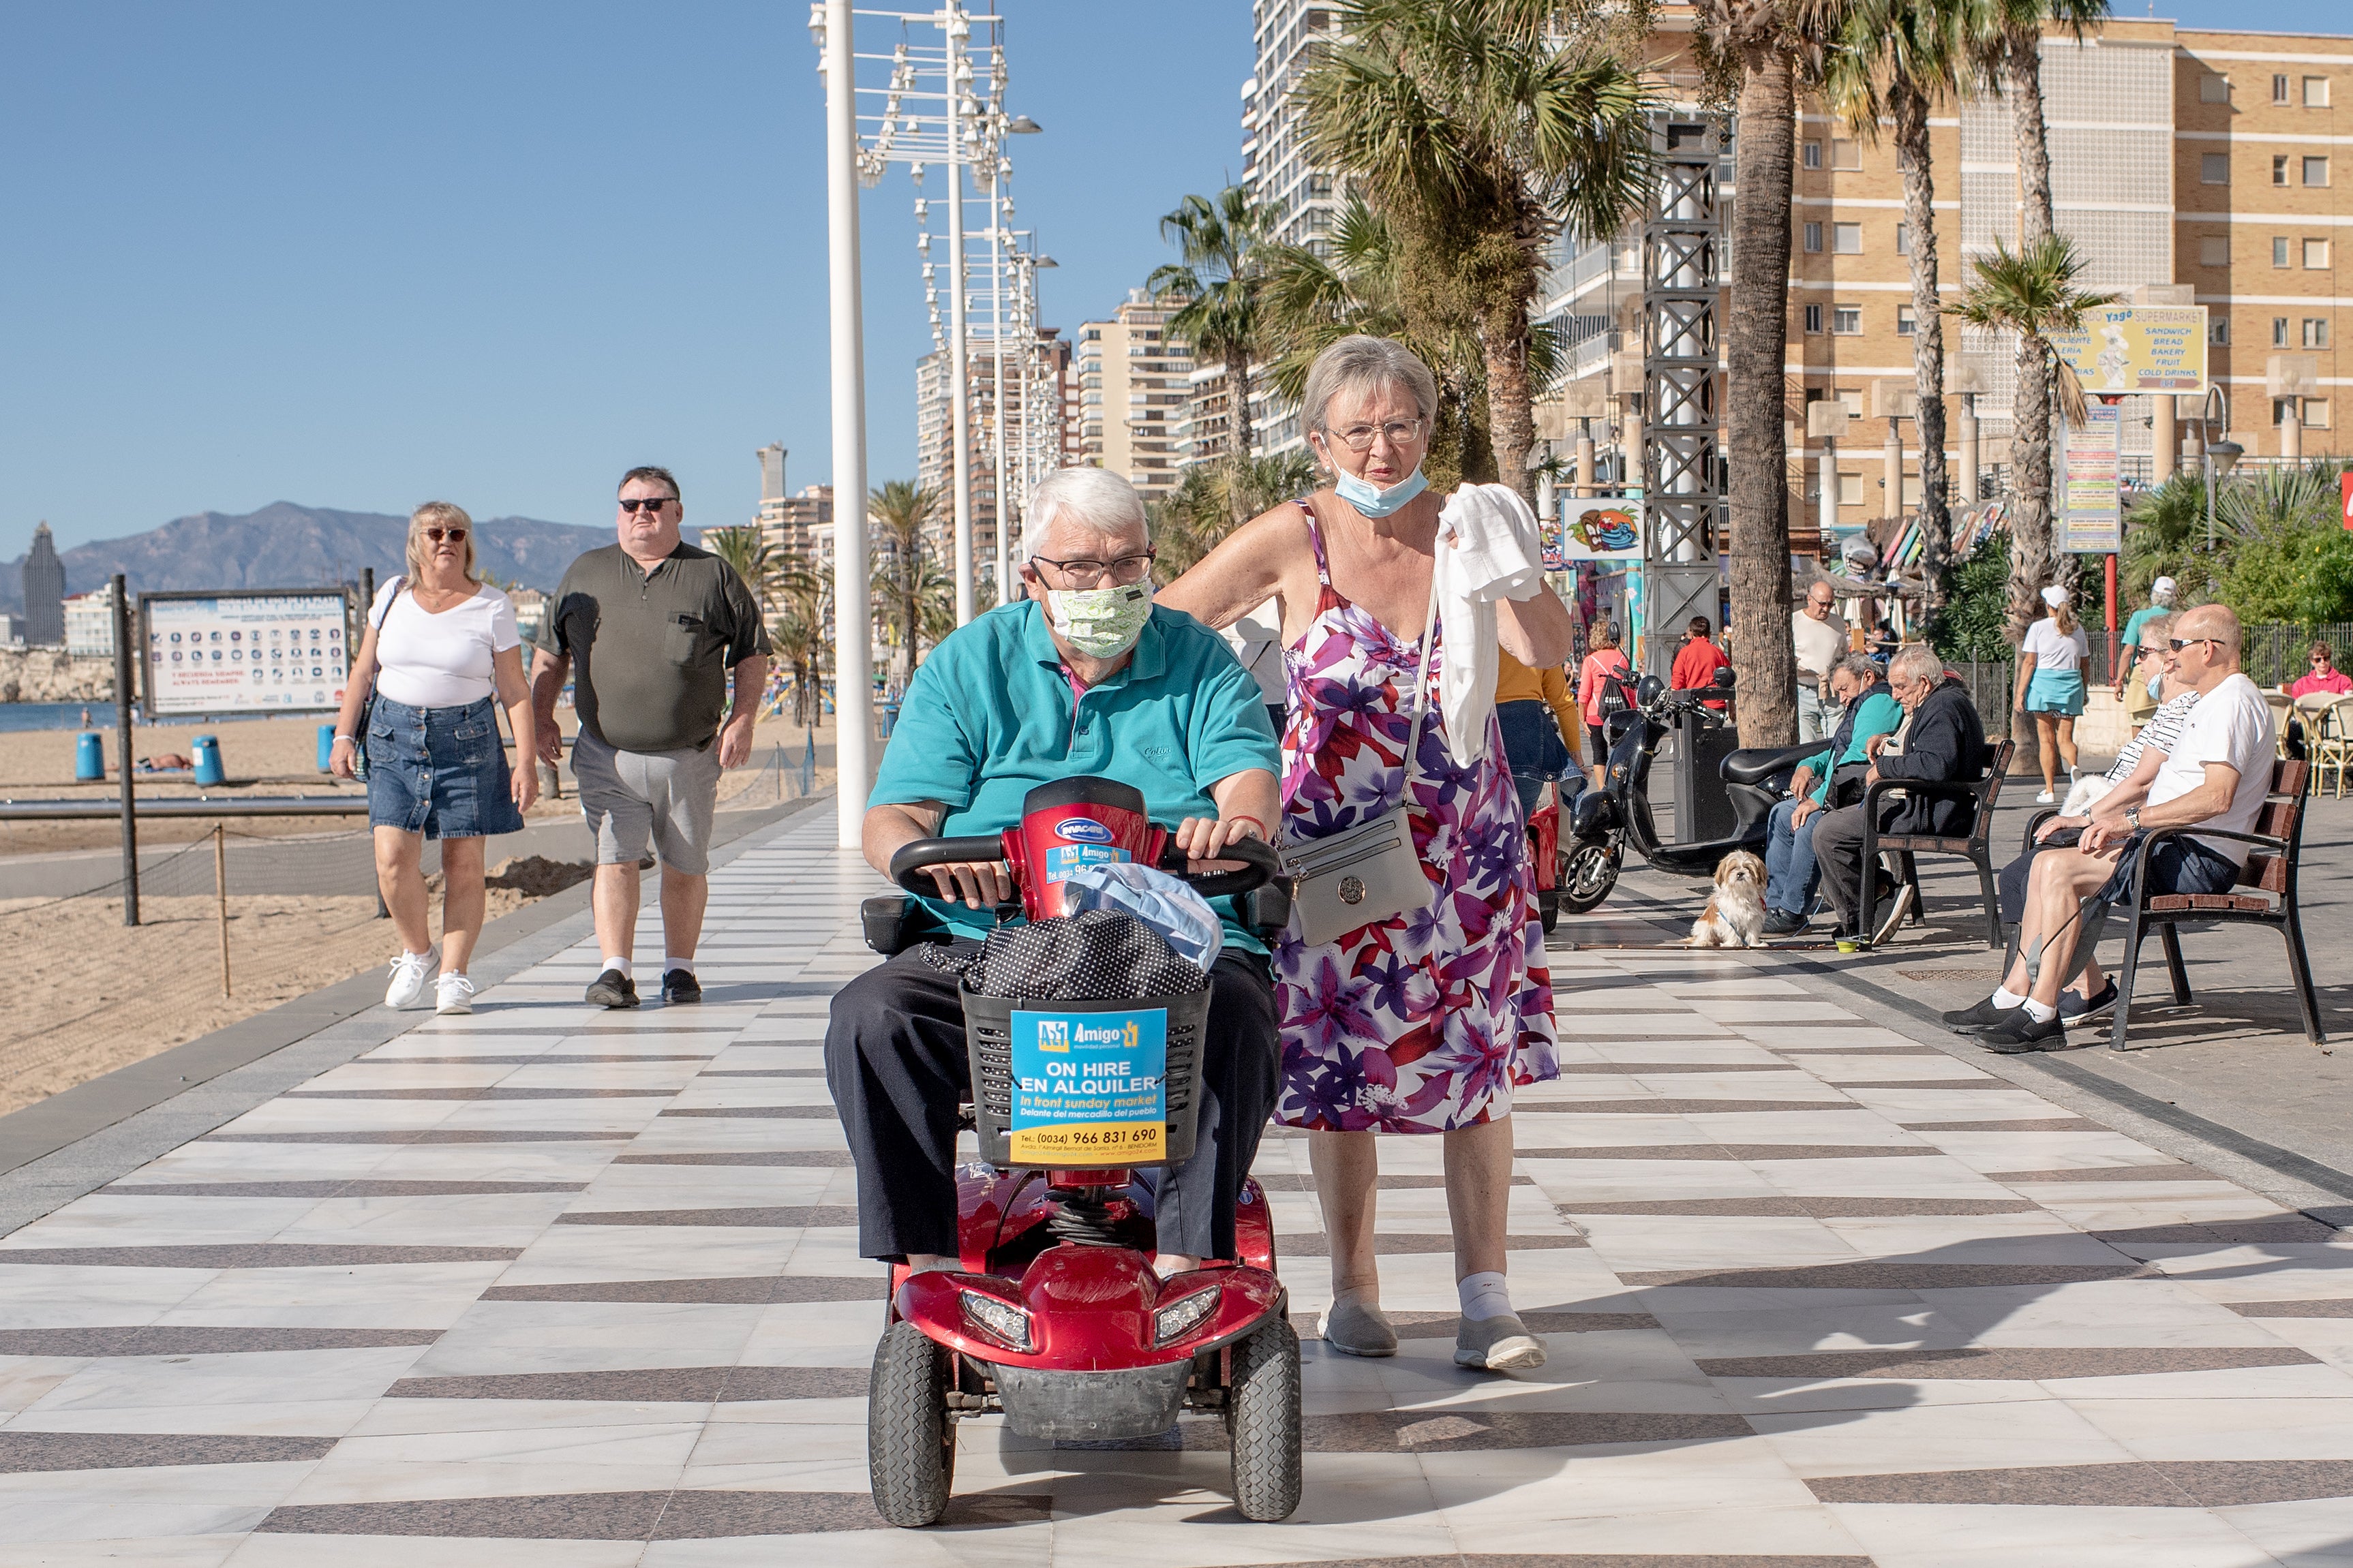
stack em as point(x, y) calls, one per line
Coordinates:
point(1370, 499)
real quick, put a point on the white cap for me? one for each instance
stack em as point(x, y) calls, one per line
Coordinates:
point(2055, 596)
point(2162, 588)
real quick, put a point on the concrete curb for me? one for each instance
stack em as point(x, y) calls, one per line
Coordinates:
point(73, 1143)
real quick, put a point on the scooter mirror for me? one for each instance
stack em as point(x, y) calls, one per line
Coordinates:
point(1648, 689)
point(1724, 679)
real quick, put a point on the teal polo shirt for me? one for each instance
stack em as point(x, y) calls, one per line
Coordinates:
point(1880, 714)
point(2140, 618)
point(991, 715)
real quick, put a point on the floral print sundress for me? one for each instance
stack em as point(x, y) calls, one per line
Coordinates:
point(1428, 1020)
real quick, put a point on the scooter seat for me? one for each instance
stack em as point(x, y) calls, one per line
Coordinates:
point(1755, 765)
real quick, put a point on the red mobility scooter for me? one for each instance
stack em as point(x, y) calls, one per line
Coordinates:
point(1056, 1317)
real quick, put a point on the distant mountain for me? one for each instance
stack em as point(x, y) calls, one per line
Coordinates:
point(289, 546)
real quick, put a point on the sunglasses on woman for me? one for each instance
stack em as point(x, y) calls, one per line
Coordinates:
point(452, 535)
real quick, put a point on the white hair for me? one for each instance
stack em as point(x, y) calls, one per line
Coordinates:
point(1361, 364)
point(1919, 661)
point(1095, 498)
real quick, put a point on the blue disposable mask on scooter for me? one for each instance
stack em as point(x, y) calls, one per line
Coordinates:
point(1370, 499)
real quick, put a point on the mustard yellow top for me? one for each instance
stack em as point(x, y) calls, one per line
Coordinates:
point(1515, 682)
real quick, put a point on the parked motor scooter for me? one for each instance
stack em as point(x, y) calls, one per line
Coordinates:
point(1604, 822)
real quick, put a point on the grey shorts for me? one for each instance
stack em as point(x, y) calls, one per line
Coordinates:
point(631, 798)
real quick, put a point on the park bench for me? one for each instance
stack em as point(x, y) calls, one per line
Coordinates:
point(1983, 793)
point(2265, 896)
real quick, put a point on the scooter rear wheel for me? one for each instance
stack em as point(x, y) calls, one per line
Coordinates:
point(1588, 874)
point(910, 1436)
point(1262, 1422)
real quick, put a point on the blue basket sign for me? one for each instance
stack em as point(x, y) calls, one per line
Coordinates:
point(1091, 1088)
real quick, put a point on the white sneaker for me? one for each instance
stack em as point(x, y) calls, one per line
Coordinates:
point(410, 970)
point(455, 993)
point(2046, 798)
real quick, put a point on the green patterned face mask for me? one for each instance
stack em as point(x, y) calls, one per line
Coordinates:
point(1101, 623)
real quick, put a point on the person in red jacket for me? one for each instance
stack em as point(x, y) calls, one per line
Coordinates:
point(1697, 661)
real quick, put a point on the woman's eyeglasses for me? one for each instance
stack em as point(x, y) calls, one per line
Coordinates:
point(1359, 437)
point(451, 535)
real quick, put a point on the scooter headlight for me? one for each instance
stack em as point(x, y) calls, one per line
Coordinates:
point(1182, 1316)
point(1002, 1319)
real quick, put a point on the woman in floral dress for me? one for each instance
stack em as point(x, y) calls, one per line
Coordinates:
point(1427, 1021)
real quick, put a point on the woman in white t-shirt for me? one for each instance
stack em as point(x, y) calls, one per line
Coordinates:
point(2051, 685)
point(442, 650)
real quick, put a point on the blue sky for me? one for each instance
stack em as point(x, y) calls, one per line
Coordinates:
point(360, 256)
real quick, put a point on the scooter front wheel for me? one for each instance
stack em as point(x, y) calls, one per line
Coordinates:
point(910, 1436)
point(1588, 874)
point(1264, 1424)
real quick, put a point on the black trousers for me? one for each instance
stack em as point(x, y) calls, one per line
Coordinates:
point(895, 1061)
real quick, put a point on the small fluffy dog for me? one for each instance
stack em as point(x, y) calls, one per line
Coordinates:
point(2085, 795)
point(1734, 916)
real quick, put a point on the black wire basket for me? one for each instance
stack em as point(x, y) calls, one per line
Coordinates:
point(988, 1038)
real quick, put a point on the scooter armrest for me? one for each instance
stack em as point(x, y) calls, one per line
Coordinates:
point(894, 922)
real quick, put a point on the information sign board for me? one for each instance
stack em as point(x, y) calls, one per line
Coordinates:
point(2138, 348)
point(1091, 1088)
point(245, 651)
point(2091, 518)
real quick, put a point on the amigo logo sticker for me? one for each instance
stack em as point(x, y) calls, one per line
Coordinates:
point(1083, 830)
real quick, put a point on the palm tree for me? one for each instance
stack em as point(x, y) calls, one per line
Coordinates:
point(1218, 283)
point(2006, 41)
point(1766, 48)
point(1480, 129)
point(911, 590)
point(801, 631)
point(748, 551)
point(1902, 57)
point(2032, 292)
point(1200, 512)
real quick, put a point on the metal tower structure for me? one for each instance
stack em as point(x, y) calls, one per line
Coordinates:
point(1682, 470)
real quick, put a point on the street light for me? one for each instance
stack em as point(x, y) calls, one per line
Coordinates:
point(2221, 457)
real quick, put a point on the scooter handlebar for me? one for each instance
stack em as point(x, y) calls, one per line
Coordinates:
point(907, 864)
point(1259, 867)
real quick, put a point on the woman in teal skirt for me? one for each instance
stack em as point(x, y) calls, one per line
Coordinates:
point(2051, 685)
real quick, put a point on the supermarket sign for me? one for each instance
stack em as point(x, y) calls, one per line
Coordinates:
point(280, 650)
point(2137, 348)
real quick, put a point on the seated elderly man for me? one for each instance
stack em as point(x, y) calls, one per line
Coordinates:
point(1866, 707)
point(1942, 741)
point(1084, 675)
point(2216, 775)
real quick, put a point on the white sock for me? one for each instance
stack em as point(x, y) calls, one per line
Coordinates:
point(2005, 998)
point(2039, 1013)
point(670, 963)
point(620, 963)
point(428, 954)
point(1483, 1296)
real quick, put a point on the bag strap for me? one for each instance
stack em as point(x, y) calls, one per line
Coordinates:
point(1421, 684)
point(398, 584)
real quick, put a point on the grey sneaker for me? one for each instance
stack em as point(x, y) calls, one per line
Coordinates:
point(1898, 907)
point(1352, 1330)
point(1497, 1345)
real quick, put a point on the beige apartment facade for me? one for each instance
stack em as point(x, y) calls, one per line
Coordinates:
point(1130, 383)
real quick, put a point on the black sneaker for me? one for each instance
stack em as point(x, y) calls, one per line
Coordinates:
point(1891, 915)
point(1781, 922)
point(2023, 1035)
point(613, 989)
point(1984, 1015)
point(2072, 1008)
point(680, 987)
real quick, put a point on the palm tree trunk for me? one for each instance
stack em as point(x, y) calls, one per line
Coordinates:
point(1512, 430)
point(1756, 349)
point(1238, 394)
point(2022, 85)
point(1911, 111)
point(2030, 483)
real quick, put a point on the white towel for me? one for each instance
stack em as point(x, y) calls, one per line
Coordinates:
point(1487, 551)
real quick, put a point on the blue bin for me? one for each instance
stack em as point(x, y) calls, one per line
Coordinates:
point(89, 758)
point(326, 747)
point(208, 761)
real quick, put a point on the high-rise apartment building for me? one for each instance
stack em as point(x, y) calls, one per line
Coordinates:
point(1287, 34)
point(2187, 165)
point(45, 592)
point(1133, 386)
point(935, 455)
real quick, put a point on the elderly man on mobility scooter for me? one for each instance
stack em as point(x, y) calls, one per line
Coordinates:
point(1084, 677)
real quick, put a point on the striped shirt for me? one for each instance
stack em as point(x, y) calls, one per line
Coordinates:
point(2162, 729)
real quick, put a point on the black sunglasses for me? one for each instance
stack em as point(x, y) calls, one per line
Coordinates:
point(2177, 644)
point(651, 503)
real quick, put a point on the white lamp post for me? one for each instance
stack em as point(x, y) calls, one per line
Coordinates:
point(853, 685)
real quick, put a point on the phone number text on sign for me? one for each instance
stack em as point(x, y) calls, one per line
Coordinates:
point(244, 652)
point(1090, 1084)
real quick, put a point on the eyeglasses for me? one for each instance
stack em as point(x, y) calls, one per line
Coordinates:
point(2177, 644)
point(651, 503)
point(453, 535)
point(1086, 573)
point(1359, 437)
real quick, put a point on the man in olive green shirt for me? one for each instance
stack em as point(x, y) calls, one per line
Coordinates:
point(654, 627)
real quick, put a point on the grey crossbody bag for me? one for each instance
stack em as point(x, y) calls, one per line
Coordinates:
point(1371, 872)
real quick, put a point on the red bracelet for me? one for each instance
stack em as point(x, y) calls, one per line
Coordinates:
point(1254, 822)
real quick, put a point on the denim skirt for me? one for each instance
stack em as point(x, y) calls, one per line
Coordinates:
point(440, 772)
